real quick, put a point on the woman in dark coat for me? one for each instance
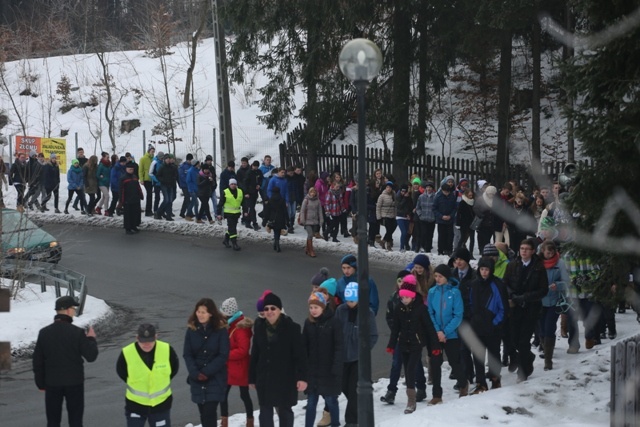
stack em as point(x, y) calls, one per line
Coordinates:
point(205, 188)
point(275, 213)
point(464, 218)
point(206, 350)
point(278, 367)
point(323, 343)
point(130, 196)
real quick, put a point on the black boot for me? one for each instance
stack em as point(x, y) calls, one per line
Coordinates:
point(234, 243)
point(389, 397)
point(226, 241)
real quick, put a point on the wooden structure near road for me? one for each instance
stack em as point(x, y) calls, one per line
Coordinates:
point(625, 383)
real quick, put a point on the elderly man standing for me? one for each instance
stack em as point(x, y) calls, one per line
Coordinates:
point(147, 366)
point(58, 364)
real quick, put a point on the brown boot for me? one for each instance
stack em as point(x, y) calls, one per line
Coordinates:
point(563, 326)
point(325, 421)
point(312, 252)
point(306, 248)
point(549, 345)
point(379, 241)
point(389, 245)
point(224, 421)
point(249, 422)
point(411, 401)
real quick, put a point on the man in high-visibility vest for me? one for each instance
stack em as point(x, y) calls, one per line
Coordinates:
point(147, 366)
point(231, 200)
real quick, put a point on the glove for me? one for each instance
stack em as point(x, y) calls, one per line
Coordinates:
point(390, 350)
point(436, 353)
point(518, 299)
point(202, 377)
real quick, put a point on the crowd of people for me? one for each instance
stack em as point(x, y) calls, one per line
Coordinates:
point(483, 319)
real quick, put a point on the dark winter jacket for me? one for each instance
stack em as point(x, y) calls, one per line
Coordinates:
point(392, 302)
point(59, 353)
point(292, 188)
point(129, 190)
point(225, 176)
point(412, 328)
point(253, 180)
point(463, 284)
point(167, 174)
point(275, 212)
point(445, 205)
point(464, 215)
point(482, 210)
point(35, 170)
point(530, 283)
point(75, 179)
point(348, 318)
point(323, 343)
point(240, 334)
point(90, 180)
point(278, 362)
point(300, 193)
point(205, 185)
point(206, 352)
point(18, 174)
point(487, 306)
point(241, 177)
point(404, 206)
point(51, 176)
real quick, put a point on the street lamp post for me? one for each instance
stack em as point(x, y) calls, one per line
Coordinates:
point(360, 61)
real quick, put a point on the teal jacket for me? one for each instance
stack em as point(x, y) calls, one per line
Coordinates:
point(103, 174)
point(446, 308)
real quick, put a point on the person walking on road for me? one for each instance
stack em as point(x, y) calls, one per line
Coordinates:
point(58, 364)
point(147, 366)
point(230, 204)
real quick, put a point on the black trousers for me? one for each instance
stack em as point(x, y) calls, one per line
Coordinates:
point(148, 187)
point(285, 415)
point(250, 206)
point(185, 201)
point(246, 399)
point(426, 235)
point(208, 413)
point(204, 211)
point(350, 390)
point(452, 348)
point(491, 345)
point(445, 238)
point(115, 196)
point(53, 398)
point(523, 323)
point(484, 238)
point(410, 360)
point(232, 225)
point(131, 215)
point(48, 197)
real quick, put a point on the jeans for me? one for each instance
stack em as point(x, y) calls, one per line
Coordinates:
point(291, 211)
point(396, 368)
point(168, 195)
point(548, 321)
point(403, 225)
point(214, 201)
point(331, 403)
point(53, 398)
point(156, 195)
point(192, 209)
point(139, 420)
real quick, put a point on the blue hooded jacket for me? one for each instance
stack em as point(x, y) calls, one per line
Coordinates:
point(116, 172)
point(182, 174)
point(281, 183)
point(192, 179)
point(446, 308)
point(75, 180)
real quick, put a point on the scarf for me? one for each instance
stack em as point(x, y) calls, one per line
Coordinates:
point(551, 262)
point(467, 200)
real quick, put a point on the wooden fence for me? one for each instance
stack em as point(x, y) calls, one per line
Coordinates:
point(625, 383)
point(5, 347)
point(426, 166)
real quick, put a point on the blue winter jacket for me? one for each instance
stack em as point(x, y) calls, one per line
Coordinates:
point(206, 351)
point(446, 308)
point(183, 170)
point(105, 171)
point(117, 171)
point(75, 180)
point(192, 179)
point(445, 205)
point(281, 183)
point(266, 174)
point(559, 275)
point(374, 301)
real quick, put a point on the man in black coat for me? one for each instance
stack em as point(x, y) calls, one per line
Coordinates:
point(278, 369)
point(526, 282)
point(167, 174)
point(130, 196)
point(58, 363)
point(252, 183)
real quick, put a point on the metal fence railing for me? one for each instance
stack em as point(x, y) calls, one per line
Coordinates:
point(625, 383)
point(63, 280)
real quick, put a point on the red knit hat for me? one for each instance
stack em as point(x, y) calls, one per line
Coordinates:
point(408, 286)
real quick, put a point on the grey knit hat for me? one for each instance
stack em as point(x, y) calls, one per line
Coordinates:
point(320, 276)
point(229, 307)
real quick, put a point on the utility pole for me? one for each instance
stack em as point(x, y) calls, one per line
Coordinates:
point(224, 109)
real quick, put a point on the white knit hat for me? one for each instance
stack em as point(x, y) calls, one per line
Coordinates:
point(229, 307)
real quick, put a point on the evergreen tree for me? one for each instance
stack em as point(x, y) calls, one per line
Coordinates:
point(605, 81)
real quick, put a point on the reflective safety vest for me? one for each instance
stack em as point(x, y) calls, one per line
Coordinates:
point(149, 387)
point(232, 205)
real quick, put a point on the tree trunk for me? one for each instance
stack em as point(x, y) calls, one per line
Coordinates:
point(423, 77)
point(536, 166)
point(194, 49)
point(567, 52)
point(401, 91)
point(504, 94)
point(108, 114)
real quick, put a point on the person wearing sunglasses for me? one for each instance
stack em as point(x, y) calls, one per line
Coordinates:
point(278, 369)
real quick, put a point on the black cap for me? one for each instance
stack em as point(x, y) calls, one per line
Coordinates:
point(122, 159)
point(66, 302)
point(146, 333)
point(208, 158)
point(231, 164)
point(130, 165)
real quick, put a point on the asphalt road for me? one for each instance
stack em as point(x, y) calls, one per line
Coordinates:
point(157, 278)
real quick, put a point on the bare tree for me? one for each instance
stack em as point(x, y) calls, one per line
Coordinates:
point(204, 12)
